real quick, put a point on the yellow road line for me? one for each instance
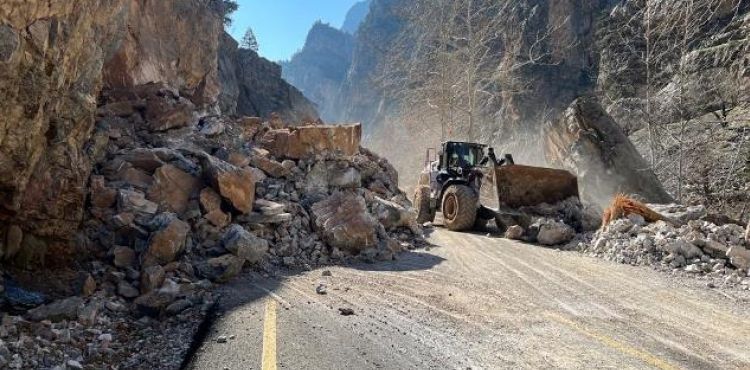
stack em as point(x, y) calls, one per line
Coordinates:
point(269, 336)
point(613, 343)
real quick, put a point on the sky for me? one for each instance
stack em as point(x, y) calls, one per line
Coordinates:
point(281, 25)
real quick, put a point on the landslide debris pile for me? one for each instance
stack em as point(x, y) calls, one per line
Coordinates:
point(682, 239)
point(549, 224)
point(180, 201)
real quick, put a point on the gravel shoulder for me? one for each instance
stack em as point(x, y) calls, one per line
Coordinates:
point(473, 301)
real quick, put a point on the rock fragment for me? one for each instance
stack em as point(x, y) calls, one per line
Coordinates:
point(236, 185)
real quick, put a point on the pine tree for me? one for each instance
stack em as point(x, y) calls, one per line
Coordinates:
point(249, 41)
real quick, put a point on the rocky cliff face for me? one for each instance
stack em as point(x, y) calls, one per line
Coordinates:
point(55, 58)
point(171, 41)
point(253, 86)
point(51, 59)
point(676, 73)
point(320, 68)
point(686, 63)
point(355, 16)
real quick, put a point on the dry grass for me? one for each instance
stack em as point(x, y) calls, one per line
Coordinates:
point(623, 206)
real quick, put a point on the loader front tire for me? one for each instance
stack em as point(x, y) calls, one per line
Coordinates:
point(459, 207)
point(422, 205)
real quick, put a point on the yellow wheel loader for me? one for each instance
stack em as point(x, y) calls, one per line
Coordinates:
point(470, 186)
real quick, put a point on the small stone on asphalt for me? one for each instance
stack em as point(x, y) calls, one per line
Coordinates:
point(346, 311)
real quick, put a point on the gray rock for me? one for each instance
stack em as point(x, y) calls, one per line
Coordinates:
point(739, 257)
point(321, 289)
point(178, 306)
point(245, 245)
point(135, 202)
point(64, 309)
point(554, 232)
point(154, 303)
point(126, 290)
point(211, 126)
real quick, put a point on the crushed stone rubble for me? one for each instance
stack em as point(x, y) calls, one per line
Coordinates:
point(686, 242)
point(180, 201)
point(549, 224)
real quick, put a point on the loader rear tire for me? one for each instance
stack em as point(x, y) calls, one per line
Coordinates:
point(422, 205)
point(459, 207)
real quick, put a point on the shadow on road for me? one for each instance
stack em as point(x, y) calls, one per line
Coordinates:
point(253, 286)
point(407, 261)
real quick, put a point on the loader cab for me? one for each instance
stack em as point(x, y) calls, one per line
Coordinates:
point(457, 157)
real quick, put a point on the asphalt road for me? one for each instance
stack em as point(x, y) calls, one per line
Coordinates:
point(478, 302)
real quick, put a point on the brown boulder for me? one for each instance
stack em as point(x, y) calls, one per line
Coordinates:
point(344, 223)
point(217, 218)
point(163, 115)
point(144, 159)
point(101, 195)
point(210, 200)
point(237, 159)
point(306, 141)
point(269, 166)
point(123, 256)
point(236, 185)
point(250, 126)
point(172, 188)
point(134, 177)
point(167, 243)
point(130, 201)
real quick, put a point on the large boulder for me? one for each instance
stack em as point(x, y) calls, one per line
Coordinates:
point(132, 201)
point(236, 185)
point(588, 142)
point(552, 232)
point(167, 242)
point(343, 222)
point(269, 166)
point(245, 245)
point(64, 309)
point(307, 141)
point(393, 215)
point(221, 269)
point(172, 188)
point(739, 257)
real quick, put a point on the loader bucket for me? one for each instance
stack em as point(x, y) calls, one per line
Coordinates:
point(516, 186)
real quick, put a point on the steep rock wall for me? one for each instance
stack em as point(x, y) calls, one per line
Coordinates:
point(321, 67)
point(56, 56)
point(253, 86)
point(51, 58)
point(170, 41)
